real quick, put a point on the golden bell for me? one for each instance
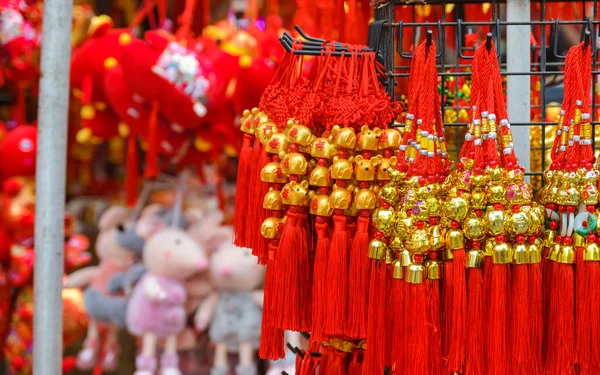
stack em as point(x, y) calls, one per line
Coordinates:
point(414, 273)
point(273, 201)
point(433, 269)
point(272, 174)
point(455, 240)
point(299, 134)
point(520, 253)
point(592, 252)
point(272, 227)
point(475, 258)
point(554, 251)
point(535, 253)
point(377, 249)
point(322, 148)
point(489, 247)
point(341, 169)
point(294, 163)
point(456, 208)
point(502, 254)
point(320, 205)
point(340, 199)
point(295, 193)
point(397, 269)
point(566, 255)
point(343, 137)
point(405, 258)
point(383, 219)
point(368, 139)
point(389, 257)
point(390, 139)
point(495, 222)
point(578, 241)
point(319, 176)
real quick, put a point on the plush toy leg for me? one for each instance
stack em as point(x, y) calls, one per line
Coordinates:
point(110, 361)
point(246, 365)
point(220, 363)
point(169, 361)
point(145, 362)
point(87, 357)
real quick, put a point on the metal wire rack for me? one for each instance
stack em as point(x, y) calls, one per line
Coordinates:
point(547, 61)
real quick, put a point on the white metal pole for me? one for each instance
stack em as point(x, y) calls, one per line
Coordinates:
point(50, 187)
point(519, 87)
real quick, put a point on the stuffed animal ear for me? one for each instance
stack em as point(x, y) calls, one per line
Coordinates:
point(193, 215)
point(147, 226)
point(215, 238)
point(112, 217)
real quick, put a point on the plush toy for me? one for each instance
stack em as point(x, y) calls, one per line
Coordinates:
point(234, 310)
point(156, 309)
point(103, 308)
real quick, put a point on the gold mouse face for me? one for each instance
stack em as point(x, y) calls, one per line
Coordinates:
point(340, 199)
point(368, 139)
point(320, 176)
point(295, 193)
point(272, 227)
point(320, 205)
point(273, 201)
point(341, 169)
point(365, 199)
point(343, 137)
point(366, 168)
point(390, 139)
point(299, 134)
point(385, 167)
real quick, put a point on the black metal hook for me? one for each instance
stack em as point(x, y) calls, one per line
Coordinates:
point(586, 37)
point(429, 37)
point(399, 39)
point(488, 41)
point(555, 41)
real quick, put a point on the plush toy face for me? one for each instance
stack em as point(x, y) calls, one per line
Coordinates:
point(235, 268)
point(18, 205)
point(173, 253)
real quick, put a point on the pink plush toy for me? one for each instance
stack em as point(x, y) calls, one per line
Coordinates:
point(103, 308)
point(234, 310)
point(157, 308)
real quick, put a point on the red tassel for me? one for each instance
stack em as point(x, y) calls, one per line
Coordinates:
point(291, 275)
point(398, 347)
point(458, 321)
point(520, 322)
point(324, 359)
point(536, 296)
point(389, 316)
point(132, 178)
point(561, 322)
point(337, 278)
point(311, 360)
point(548, 267)
point(498, 320)
point(448, 289)
point(242, 191)
point(319, 296)
point(416, 317)
point(434, 324)
point(152, 153)
point(376, 328)
point(474, 360)
point(271, 338)
point(359, 280)
point(583, 312)
point(337, 362)
point(356, 362)
point(594, 318)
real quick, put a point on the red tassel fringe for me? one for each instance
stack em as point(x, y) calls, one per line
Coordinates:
point(448, 288)
point(242, 192)
point(359, 280)
point(376, 329)
point(561, 322)
point(398, 347)
point(320, 280)
point(337, 278)
point(536, 296)
point(457, 339)
point(434, 324)
point(271, 338)
point(583, 313)
point(520, 321)
point(474, 360)
point(498, 320)
point(416, 318)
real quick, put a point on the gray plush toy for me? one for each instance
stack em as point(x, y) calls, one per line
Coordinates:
point(234, 310)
